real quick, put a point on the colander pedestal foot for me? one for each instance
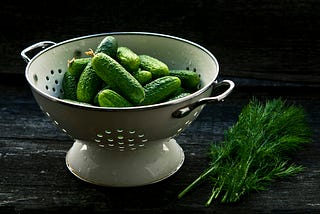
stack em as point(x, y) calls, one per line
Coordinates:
point(95, 164)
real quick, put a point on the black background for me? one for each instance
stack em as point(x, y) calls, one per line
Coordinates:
point(266, 39)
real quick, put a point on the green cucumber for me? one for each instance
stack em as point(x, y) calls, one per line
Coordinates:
point(128, 59)
point(143, 76)
point(109, 46)
point(189, 79)
point(103, 87)
point(110, 98)
point(154, 65)
point(88, 85)
point(118, 78)
point(184, 94)
point(160, 89)
point(77, 65)
point(179, 91)
point(69, 86)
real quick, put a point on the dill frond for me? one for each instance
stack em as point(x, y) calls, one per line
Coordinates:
point(255, 150)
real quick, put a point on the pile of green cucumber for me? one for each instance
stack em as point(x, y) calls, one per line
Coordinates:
point(116, 76)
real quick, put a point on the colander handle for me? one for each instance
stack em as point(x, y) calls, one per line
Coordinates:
point(182, 112)
point(42, 45)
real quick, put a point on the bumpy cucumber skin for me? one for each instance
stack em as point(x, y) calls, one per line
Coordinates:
point(143, 76)
point(118, 78)
point(128, 59)
point(103, 87)
point(180, 90)
point(184, 94)
point(160, 89)
point(88, 85)
point(110, 98)
point(109, 46)
point(69, 86)
point(189, 79)
point(154, 65)
point(76, 66)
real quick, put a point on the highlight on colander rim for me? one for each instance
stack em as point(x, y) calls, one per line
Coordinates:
point(131, 145)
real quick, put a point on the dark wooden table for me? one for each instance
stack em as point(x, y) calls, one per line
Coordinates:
point(35, 179)
point(269, 48)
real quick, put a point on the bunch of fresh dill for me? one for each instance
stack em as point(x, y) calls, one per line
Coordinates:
point(255, 150)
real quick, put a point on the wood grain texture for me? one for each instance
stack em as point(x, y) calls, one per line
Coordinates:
point(34, 178)
point(263, 39)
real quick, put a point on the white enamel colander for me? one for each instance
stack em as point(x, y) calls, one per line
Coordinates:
point(130, 146)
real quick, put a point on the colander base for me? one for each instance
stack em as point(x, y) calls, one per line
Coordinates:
point(100, 166)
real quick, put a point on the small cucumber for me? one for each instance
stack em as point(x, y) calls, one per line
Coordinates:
point(160, 89)
point(128, 59)
point(180, 90)
point(118, 78)
point(184, 94)
point(69, 86)
point(88, 85)
point(143, 76)
point(103, 87)
point(189, 79)
point(154, 65)
point(109, 46)
point(76, 66)
point(110, 98)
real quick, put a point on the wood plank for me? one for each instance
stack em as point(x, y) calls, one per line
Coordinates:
point(34, 177)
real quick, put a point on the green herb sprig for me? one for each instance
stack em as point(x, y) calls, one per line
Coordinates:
point(255, 150)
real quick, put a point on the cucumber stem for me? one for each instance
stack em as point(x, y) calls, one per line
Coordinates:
point(90, 52)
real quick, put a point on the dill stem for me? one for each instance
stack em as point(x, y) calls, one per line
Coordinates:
point(196, 181)
point(214, 194)
point(210, 199)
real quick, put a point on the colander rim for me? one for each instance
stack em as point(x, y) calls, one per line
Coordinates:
point(133, 108)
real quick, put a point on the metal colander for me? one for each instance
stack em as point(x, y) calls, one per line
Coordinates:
point(129, 146)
